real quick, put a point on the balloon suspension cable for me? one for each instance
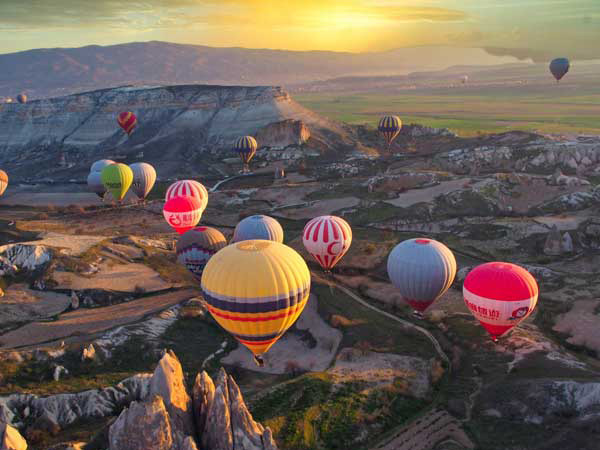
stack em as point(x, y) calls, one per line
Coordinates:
point(258, 359)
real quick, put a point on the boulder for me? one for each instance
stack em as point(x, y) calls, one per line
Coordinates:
point(16, 257)
point(553, 244)
point(283, 134)
point(142, 426)
point(11, 439)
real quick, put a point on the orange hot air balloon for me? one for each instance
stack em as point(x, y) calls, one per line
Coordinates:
point(183, 213)
point(127, 121)
point(500, 295)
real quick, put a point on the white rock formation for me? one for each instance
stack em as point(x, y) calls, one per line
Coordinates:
point(15, 257)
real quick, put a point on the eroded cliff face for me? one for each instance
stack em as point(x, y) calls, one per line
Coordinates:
point(177, 125)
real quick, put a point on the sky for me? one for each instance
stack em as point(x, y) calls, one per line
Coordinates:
point(534, 29)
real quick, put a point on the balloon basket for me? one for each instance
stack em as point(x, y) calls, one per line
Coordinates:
point(495, 339)
point(260, 362)
point(418, 315)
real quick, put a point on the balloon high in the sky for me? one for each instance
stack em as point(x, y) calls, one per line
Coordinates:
point(559, 68)
point(258, 227)
point(195, 247)
point(101, 164)
point(246, 147)
point(500, 295)
point(127, 121)
point(422, 270)
point(117, 179)
point(3, 181)
point(144, 177)
point(183, 213)
point(327, 239)
point(94, 181)
point(188, 187)
point(22, 98)
point(389, 127)
point(256, 290)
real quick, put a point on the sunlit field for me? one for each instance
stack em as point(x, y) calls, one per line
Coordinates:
point(471, 110)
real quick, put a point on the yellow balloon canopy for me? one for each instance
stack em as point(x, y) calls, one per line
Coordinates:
point(256, 290)
point(117, 179)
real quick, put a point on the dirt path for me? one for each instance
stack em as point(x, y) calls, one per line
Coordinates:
point(90, 321)
point(406, 323)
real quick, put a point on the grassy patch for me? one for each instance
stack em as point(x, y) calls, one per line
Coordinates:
point(313, 412)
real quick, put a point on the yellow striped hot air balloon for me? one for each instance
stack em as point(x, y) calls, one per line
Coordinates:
point(390, 127)
point(246, 147)
point(256, 290)
point(3, 181)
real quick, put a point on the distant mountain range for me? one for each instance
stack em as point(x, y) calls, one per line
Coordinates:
point(44, 73)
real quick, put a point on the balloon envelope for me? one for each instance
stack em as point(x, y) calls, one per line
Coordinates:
point(101, 164)
point(144, 177)
point(246, 147)
point(559, 67)
point(258, 227)
point(500, 295)
point(422, 270)
point(327, 239)
point(256, 290)
point(390, 127)
point(196, 246)
point(127, 121)
point(22, 98)
point(94, 181)
point(3, 181)
point(182, 213)
point(117, 179)
point(188, 187)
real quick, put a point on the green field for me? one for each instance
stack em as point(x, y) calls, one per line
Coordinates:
point(545, 109)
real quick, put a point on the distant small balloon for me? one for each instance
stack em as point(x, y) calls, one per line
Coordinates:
point(144, 177)
point(389, 127)
point(196, 246)
point(559, 68)
point(258, 227)
point(182, 213)
point(22, 98)
point(117, 179)
point(127, 121)
point(327, 239)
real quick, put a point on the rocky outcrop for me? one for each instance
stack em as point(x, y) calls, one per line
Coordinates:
point(65, 409)
point(10, 438)
point(17, 257)
point(169, 419)
point(575, 201)
point(283, 134)
point(185, 120)
point(223, 419)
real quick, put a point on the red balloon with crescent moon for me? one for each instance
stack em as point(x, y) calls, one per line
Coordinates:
point(500, 295)
point(183, 213)
point(327, 239)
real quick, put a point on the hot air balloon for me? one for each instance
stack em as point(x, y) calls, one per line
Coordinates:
point(500, 295)
point(195, 247)
point(422, 270)
point(246, 147)
point(101, 164)
point(22, 98)
point(327, 239)
point(144, 177)
point(464, 79)
point(389, 126)
point(117, 179)
point(127, 121)
point(256, 290)
point(183, 213)
point(94, 181)
point(188, 187)
point(258, 227)
point(3, 181)
point(559, 68)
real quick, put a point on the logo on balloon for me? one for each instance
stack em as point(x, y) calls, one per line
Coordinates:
point(174, 220)
point(519, 313)
point(331, 248)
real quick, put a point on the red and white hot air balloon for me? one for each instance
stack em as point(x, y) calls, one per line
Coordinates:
point(327, 239)
point(500, 295)
point(183, 213)
point(188, 187)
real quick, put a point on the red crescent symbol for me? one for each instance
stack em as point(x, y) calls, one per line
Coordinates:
point(175, 221)
point(330, 248)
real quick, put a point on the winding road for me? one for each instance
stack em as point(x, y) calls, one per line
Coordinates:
point(406, 323)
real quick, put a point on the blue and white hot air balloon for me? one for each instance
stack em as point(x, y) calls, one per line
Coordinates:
point(258, 227)
point(422, 270)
